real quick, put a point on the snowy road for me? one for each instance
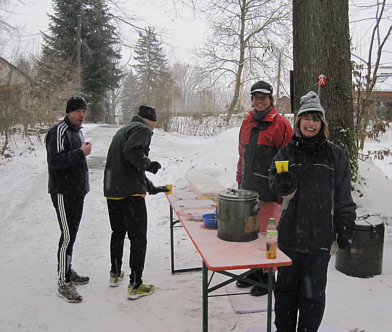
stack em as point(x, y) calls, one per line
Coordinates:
point(29, 235)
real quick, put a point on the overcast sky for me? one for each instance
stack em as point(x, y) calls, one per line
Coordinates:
point(180, 29)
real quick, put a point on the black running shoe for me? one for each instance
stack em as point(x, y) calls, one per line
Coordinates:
point(258, 291)
point(77, 279)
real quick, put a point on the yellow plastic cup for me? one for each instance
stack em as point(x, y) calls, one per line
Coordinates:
point(170, 187)
point(282, 166)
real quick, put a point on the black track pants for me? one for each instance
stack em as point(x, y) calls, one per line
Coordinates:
point(69, 211)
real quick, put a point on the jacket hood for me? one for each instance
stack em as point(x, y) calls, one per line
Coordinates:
point(138, 118)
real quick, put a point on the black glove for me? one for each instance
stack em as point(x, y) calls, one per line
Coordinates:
point(284, 180)
point(154, 167)
point(344, 239)
point(156, 190)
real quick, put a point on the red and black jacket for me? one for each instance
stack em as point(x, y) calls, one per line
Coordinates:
point(258, 144)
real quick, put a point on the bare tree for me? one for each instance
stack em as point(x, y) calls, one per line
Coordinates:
point(115, 96)
point(36, 102)
point(247, 38)
point(366, 72)
point(9, 102)
point(189, 82)
point(53, 82)
point(4, 26)
point(129, 98)
point(10, 35)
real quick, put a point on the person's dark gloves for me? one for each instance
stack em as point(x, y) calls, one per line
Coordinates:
point(284, 180)
point(156, 190)
point(344, 239)
point(154, 167)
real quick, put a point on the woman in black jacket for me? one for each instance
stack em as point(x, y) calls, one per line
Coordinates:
point(317, 204)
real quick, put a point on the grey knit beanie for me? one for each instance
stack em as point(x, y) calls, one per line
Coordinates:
point(310, 103)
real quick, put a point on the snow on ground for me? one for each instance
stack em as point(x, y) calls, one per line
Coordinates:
point(29, 237)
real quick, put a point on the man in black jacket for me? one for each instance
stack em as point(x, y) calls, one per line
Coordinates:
point(125, 187)
point(68, 185)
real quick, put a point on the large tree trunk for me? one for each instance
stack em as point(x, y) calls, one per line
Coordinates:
point(322, 46)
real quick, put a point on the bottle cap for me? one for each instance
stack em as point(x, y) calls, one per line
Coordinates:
point(272, 220)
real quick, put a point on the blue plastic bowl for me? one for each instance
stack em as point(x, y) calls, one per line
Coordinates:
point(210, 220)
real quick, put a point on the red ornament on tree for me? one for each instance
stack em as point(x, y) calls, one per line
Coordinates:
point(321, 80)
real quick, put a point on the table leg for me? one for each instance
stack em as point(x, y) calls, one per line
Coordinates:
point(173, 269)
point(205, 297)
point(171, 240)
point(269, 314)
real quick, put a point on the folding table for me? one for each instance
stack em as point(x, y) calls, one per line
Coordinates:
point(224, 257)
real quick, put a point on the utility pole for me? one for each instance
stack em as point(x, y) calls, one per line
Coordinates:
point(78, 51)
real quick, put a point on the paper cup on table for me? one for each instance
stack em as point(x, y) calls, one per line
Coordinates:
point(282, 166)
point(170, 187)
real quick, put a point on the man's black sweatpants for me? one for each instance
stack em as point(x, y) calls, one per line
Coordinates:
point(128, 215)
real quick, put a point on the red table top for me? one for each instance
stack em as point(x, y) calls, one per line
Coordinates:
point(220, 255)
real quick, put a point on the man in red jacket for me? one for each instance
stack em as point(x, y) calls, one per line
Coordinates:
point(263, 132)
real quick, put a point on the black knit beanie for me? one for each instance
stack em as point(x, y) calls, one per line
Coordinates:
point(76, 103)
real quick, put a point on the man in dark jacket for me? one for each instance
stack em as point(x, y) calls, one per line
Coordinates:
point(263, 132)
point(68, 185)
point(317, 203)
point(125, 187)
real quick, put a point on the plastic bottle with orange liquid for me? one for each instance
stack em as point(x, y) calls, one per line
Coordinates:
point(271, 239)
